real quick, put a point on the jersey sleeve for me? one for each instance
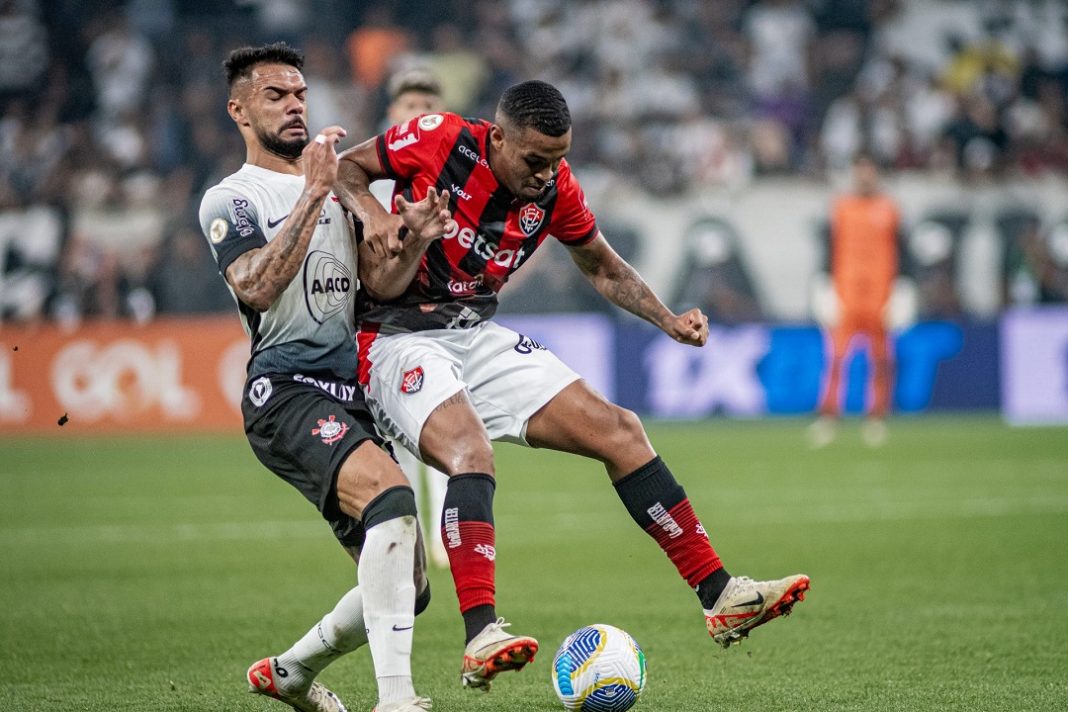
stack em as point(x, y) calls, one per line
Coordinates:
point(573, 222)
point(406, 148)
point(231, 224)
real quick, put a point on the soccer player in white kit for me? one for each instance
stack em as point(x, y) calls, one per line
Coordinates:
point(287, 251)
point(413, 92)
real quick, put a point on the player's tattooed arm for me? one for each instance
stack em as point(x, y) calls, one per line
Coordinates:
point(259, 276)
point(386, 277)
point(357, 167)
point(621, 284)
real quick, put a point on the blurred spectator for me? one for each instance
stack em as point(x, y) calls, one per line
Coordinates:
point(373, 45)
point(185, 278)
point(1035, 265)
point(121, 63)
point(23, 47)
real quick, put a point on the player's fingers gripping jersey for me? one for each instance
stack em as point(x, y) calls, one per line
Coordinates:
point(508, 377)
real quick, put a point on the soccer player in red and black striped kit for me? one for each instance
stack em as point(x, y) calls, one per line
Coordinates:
point(445, 381)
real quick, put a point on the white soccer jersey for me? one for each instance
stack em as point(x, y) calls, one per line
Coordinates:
point(310, 328)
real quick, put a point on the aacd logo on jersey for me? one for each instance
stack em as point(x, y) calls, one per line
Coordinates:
point(327, 285)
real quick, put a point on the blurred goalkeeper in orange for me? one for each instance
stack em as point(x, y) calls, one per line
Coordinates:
point(863, 254)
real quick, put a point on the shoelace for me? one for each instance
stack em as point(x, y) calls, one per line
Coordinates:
point(499, 624)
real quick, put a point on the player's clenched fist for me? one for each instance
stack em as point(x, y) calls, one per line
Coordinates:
point(319, 158)
point(688, 328)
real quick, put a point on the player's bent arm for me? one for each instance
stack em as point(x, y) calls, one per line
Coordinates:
point(357, 168)
point(386, 276)
point(617, 281)
point(260, 275)
point(621, 284)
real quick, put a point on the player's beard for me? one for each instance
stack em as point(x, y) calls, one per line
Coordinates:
point(275, 144)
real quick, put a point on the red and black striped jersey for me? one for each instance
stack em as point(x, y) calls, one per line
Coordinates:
point(458, 279)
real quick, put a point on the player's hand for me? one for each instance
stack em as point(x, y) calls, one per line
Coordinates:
point(319, 159)
point(381, 233)
point(428, 219)
point(688, 328)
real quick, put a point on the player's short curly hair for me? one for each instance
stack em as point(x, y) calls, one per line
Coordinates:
point(538, 105)
point(241, 61)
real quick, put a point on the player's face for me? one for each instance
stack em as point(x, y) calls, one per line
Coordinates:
point(525, 160)
point(866, 176)
point(275, 109)
point(413, 103)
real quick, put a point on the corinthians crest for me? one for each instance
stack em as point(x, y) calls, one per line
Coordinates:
point(530, 217)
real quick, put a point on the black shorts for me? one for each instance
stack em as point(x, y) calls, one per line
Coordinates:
point(302, 428)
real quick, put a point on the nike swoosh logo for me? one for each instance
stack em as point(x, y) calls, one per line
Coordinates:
point(759, 600)
point(402, 629)
point(275, 223)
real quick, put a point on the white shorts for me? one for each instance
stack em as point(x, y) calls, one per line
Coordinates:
point(507, 376)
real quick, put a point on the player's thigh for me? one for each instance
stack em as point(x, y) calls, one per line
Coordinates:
point(305, 436)
point(417, 394)
point(580, 420)
point(367, 472)
point(454, 439)
point(409, 376)
point(510, 377)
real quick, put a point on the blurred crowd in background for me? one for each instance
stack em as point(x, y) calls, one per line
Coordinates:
point(114, 122)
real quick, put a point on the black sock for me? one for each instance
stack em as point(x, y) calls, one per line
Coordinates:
point(711, 587)
point(477, 618)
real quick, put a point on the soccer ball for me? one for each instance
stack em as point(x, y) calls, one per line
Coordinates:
point(599, 668)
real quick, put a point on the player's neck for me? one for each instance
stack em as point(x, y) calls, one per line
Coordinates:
point(259, 156)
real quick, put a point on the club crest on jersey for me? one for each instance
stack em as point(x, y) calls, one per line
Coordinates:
point(530, 217)
point(412, 381)
point(260, 391)
point(330, 430)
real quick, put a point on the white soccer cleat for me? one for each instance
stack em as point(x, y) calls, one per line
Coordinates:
point(746, 604)
point(821, 432)
point(493, 651)
point(415, 704)
point(873, 432)
point(316, 698)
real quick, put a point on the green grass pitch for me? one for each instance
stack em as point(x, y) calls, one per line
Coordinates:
point(146, 574)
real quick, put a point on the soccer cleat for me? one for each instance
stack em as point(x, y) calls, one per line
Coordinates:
point(315, 699)
point(821, 432)
point(873, 432)
point(745, 604)
point(415, 704)
point(493, 651)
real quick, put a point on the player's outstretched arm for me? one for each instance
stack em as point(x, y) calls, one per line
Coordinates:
point(259, 276)
point(357, 167)
point(386, 277)
point(621, 284)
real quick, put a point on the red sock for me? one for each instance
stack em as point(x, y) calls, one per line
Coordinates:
point(467, 531)
point(659, 505)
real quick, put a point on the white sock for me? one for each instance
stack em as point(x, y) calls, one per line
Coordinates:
point(341, 631)
point(386, 564)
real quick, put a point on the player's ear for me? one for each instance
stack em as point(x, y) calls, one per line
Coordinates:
point(236, 109)
point(496, 134)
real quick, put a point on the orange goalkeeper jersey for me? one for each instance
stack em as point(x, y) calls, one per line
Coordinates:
point(864, 251)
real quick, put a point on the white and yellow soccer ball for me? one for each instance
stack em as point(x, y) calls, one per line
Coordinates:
point(599, 668)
